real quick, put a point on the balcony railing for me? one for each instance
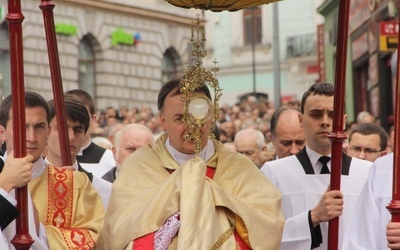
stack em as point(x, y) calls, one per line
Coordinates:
point(303, 45)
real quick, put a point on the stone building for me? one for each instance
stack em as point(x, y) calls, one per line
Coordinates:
point(120, 51)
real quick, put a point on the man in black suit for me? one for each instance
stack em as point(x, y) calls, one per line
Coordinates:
point(127, 140)
point(92, 157)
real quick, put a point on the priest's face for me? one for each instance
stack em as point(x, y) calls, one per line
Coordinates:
point(171, 122)
point(76, 134)
point(37, 131)
point(317, 122)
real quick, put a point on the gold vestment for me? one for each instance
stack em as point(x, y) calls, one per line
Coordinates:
point(145, 194)
point(69, 207)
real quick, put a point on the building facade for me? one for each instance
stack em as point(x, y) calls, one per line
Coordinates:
point(245, 68)
point(373, 29)
point(119, 51)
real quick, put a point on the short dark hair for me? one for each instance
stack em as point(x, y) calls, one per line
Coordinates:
point(85, 98)
point(371, 129)
point(322, 88)
point(75, 110)
point(173, 85)
point(275, 116)
point(32, 100)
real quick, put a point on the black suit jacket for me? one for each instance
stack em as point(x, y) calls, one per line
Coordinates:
point(110, 175)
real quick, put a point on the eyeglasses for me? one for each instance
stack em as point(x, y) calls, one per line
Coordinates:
point(366, 150)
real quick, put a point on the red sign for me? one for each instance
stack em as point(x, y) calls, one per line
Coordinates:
point(388, 35)
point(389, 28)
point(311, 69)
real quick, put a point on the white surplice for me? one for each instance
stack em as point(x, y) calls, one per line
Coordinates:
point(301, 192)
point(367, 226)
point(39, 236)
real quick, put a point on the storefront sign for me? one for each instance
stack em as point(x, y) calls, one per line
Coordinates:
point(122, 37)
point(388, 32)
point(66, 29)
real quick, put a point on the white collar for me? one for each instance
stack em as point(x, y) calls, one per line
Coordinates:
point(314, 157)
point(181, 158)
point(84, 147)
point(75, 165)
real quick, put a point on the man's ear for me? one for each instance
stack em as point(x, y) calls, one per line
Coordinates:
point(162, 120)
point(2, 134)
point(300, 119)
point(94, 117)
point(344, 121)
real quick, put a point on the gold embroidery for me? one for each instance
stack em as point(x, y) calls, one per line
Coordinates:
point(60, 197)
point(59, 220)
point(223, 238)
point(77, 237)
point(60, 189)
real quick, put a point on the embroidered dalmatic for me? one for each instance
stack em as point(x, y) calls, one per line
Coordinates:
point(152, 187)
point(69, 207)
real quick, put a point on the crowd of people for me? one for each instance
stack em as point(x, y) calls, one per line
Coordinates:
point(261, 181)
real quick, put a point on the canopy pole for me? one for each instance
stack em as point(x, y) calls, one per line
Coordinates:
point(47, 7)
point(22, 240)
point(337, 135)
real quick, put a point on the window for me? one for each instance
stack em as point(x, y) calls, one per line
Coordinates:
point(86, 66)
point(252, 25)
point(171, 65)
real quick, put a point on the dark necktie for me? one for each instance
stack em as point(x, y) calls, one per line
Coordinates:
point(324, 160)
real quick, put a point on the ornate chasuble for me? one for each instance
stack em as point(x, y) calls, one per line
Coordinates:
point(147, 241)
point(151, 179)
point(69, 207)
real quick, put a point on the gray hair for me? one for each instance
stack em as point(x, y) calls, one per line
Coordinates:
point(252, 134)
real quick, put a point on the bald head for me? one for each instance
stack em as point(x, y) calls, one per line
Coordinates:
point(287, 135)
point(128, 139)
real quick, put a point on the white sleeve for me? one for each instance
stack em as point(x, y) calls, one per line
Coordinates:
point(103, 188)
point(296, 233)
point(361, 231)
point(3, 241)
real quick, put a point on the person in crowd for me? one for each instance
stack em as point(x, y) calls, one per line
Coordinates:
point(67, 204)
point(365, 117)
point(128, 140)
point(78, 124)
point(93, 158)
point(305, 177)
point(251, 142)
point(391, 139)
point(287, 134)
point(102, 142)
point(229, 131)
point(367, 141)
point(200, 208)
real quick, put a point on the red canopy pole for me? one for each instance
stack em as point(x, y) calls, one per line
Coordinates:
point(22, 240)
point(58, 93)
point(394, 205)
point(337, 135)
